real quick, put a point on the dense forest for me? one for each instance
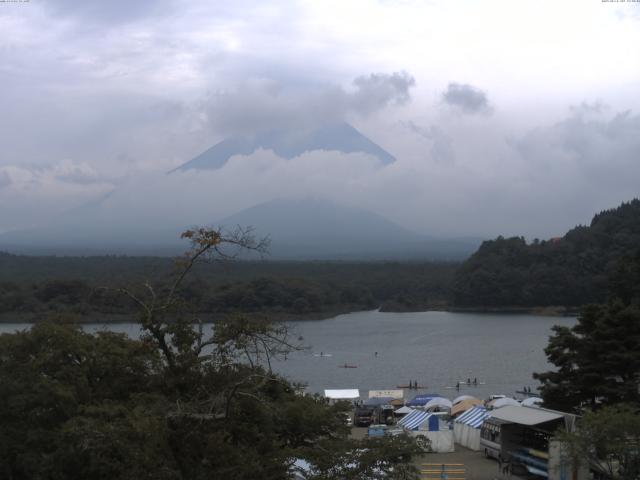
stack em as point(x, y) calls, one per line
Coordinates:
point(87, 286)
point(570, 271)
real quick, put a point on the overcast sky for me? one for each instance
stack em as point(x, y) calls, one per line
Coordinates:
point(506, 117)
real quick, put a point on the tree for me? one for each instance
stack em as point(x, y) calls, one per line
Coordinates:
point(598, 360)
point(609, 439)
point(180, 403)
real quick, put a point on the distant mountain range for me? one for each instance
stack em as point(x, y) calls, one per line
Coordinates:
point(300, 229)
point(289, 144)
point(319, 229)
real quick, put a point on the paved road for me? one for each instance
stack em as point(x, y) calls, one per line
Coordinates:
point(475, 465)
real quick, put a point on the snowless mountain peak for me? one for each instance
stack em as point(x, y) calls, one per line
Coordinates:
point(288, 144)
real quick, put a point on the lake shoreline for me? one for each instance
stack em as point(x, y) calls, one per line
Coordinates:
point(119, 318)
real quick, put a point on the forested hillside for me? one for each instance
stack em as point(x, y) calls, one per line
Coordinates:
point(568, 271)
point(31, 286)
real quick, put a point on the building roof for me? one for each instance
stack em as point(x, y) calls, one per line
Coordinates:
point(525, 415)
point(344, 394)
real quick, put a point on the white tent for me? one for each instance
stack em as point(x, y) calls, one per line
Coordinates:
point(466, 428)
point(532, 402)
point(343, 394)
point(427, 429)
point(440, 402)
point(503, 402)
point(404, 410)
point(461, 398)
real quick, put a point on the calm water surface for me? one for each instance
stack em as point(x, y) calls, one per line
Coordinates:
point(435, 348)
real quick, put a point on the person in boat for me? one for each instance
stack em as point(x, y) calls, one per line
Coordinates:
point(458, 386)
point(468, 381)
point(475, 380)
point(415, 384)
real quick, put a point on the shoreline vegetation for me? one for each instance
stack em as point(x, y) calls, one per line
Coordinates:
point(114, 319)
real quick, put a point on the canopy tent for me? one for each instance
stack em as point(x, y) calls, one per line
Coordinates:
point(417, 419)
point(425, 427)
point(422, 399)
point(525, 415)
point(464, 405)
point(344, 394)
point(404, 410)
point(437, 402)
point(474, 417)
point(460, 398)
point(503, 402)
point(532, 402)
point(466, 428)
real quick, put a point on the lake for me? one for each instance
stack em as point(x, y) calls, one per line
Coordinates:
point(437, 349)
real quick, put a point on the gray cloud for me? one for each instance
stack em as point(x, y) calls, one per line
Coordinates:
point(378, 90)
point(466, 98)
point(108, 12)
point(130, 88)
point(586, 108)
point(590, 162)
point(441, 147)
point(269, 104)
point(5, 179)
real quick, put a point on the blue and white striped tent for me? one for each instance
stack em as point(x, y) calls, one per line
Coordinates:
point(466, 428)
point(417, 418)
point(473, 417)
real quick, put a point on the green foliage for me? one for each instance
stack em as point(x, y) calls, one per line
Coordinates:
point(180, 403)
point(53, 376)
point(598, 360)
point(609, 439)
point(570, 271)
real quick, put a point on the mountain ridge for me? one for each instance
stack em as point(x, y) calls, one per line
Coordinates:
point(341, 137)
point(567, 271)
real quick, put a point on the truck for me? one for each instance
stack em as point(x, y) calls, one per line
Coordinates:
point(363, 416)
